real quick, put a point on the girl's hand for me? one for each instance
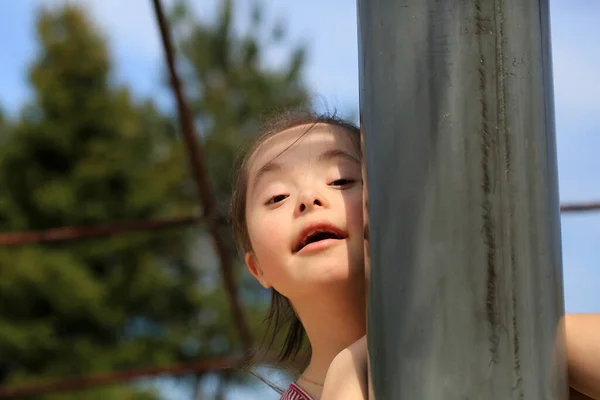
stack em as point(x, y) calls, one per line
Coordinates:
point(347, 375)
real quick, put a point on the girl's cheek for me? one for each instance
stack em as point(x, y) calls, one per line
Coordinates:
point(273, 229)
point(260, 229)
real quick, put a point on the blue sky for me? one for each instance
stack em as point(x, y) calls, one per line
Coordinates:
point(329, 28)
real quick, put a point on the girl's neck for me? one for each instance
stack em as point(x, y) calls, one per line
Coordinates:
point(332, 323)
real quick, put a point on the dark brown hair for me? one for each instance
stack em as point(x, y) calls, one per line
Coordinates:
point(281, 316)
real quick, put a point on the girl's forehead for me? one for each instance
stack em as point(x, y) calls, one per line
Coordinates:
point(302, 143)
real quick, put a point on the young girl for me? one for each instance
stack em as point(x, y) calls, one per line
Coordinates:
point(297, 215)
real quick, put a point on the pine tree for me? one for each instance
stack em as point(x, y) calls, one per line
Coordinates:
point(83, 153)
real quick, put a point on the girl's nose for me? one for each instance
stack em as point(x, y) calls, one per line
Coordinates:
point(309, 200)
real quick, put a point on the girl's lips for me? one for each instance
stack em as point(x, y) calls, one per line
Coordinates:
point(319, 246)
point(316, 227)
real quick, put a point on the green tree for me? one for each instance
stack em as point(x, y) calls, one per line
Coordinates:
point(83, 153)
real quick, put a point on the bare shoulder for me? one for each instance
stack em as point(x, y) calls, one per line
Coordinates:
point(347, 375)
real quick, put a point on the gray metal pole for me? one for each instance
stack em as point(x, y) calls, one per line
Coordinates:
point(466, 283)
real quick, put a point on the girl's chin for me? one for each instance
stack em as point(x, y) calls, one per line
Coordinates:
point(336, 275)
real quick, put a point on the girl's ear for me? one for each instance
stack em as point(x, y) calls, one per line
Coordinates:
point(255, 270)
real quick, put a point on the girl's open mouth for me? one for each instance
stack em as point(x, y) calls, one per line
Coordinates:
point(318, 236)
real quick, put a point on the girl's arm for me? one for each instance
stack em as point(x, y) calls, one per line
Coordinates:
point(347, 375)
point(583, 353)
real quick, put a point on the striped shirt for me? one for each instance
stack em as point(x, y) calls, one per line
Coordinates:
point(295, 392)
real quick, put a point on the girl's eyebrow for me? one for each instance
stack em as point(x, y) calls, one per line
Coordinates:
point(264, 170)
point(335, 153)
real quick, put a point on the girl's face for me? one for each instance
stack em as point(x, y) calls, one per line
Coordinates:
point(304, 211)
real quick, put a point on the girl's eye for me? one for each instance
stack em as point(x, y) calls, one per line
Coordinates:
point(277, 199)
point(342, 182)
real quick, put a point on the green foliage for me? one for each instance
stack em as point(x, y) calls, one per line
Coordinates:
point(84, 152)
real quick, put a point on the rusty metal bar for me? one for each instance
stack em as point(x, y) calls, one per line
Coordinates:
point(199, 170)
point(117, 377)
point(72, 233)
point(579, 207)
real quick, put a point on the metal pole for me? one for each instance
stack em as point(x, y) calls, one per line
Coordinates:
point(466, 283)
